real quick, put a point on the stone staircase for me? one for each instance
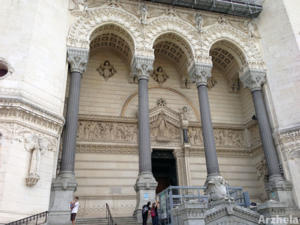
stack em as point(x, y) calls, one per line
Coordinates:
point(103, 221)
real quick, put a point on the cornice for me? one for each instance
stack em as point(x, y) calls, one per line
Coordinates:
point(23, 112)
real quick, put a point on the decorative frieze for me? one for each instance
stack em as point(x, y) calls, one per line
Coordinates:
point(223, 137)
point(290, 143)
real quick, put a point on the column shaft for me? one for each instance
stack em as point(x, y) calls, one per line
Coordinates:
point(266, 134)
point(69, 143)
point(212, 164)
point(144, 128)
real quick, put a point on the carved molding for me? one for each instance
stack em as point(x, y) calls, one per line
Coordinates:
point(290, 144)
point(20, 111)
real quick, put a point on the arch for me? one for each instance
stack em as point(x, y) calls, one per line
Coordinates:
point(172, 24)
point(226, 32)
point(81, 31)
point(113, 36)
point(129, 99)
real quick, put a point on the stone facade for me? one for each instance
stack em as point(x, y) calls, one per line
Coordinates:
point(33, 97)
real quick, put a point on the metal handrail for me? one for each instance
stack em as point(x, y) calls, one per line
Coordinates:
point(110, 220)
point(30, 220)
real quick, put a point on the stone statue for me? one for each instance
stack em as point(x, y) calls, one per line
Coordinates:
point(199, 21)
point(37, 146)
point(159, 75)
point(80, 5)
point(106, 70)
point(144, 13)
point(251, 29)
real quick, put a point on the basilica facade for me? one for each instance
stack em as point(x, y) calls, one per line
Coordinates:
point(113, 101)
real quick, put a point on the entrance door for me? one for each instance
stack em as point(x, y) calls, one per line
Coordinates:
point(164, 169)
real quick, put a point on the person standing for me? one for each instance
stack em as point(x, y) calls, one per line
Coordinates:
point(74, 205)
point(145, 212)
point(154, 214)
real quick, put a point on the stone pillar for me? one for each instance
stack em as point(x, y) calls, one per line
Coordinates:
point(65, 184)
point(215, 183)
point(145, 186)
point(277, 188)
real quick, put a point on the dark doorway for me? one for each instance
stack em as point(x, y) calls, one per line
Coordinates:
point(164, 169)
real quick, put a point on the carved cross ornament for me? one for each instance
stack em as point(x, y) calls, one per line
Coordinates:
point(106, 70)
point(141, 67)
point(78, 59)
point(200, 73)
point(252, 79)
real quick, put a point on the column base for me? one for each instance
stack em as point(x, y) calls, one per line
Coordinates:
point(62, 191)
point(216, 189)
point(280, 190)
point(145, 188)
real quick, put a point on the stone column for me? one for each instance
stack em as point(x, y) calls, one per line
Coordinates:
point(65, 183)
point(146, 184)
point(215, 183)
point(254, 79)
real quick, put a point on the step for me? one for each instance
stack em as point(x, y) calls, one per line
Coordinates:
point(103, 221)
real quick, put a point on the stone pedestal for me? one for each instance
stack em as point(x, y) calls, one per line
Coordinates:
point(189, 214)
point(228, 213)
point(63, 188)
point(145, 188)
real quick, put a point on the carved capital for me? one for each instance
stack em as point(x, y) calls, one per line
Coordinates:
point(252, 79)
point(200, 73)
point(142, 67)
point(78, 58)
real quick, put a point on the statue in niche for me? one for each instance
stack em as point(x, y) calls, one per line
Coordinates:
point(106, 70)
point(37, 146)
point(159, 75)
point(199, 21)
point(144, 13)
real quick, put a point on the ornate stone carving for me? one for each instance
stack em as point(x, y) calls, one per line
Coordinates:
point(80, 5)
point(252, 79)
point(200, 73)
point(37, 146)
point(251, 29)
point(198, 21)
point(141, 67)
point(161, 102)
point(78, 59)
point(100, 131)
point(106, 70)
point(290, 144)
point(221, 20)
point(143, 13)
point(211, 82)
point(223, 137)
point(261, 169)
point(216, 188)
point(159, 75)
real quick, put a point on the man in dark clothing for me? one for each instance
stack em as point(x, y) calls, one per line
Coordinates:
point(145, 212)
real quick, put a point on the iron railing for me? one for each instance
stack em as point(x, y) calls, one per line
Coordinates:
point(110, 220)
point(174, 196)
point(37, 219)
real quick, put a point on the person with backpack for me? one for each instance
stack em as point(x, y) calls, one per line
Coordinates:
point(145, 212)
point(154, 214)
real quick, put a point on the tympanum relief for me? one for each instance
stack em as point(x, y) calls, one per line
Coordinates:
point(106, 70)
